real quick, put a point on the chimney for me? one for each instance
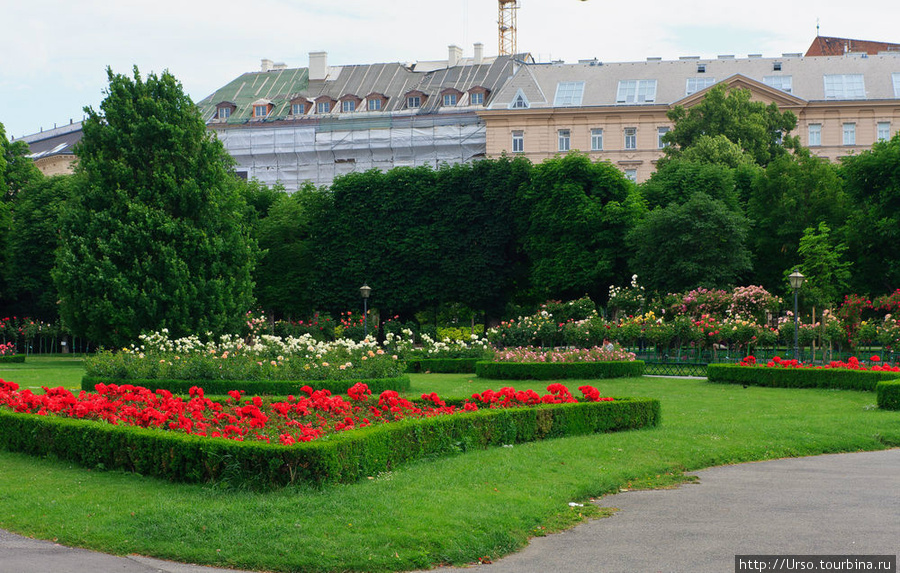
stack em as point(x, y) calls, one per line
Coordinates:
point(455, 53)
point(266, 65)
point(479, 53)
point(318, 65)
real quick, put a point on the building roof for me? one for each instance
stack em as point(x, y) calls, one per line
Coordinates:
point(57, 141)
point(829, 46)
point(795, 77)
point(391, 80)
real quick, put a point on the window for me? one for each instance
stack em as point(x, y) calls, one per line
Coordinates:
point(776, 67)
point(660, 132)
point(568, 93)
point(631, 174)
point(476, 98)
point(564, 139)
point(323, 107)
point(296, 109)
point(348, 105)
point(845, 86)
point(449, 99)
point(849, 134)
point(896, 79)
point(223, 113)
point(695, 85)
point(783, 83)
point(630, 138)
point(518, 141)
point(260, 110)
point(374, 105)
point(883, 131)
point(636, 91)
point(597, 139)
point(815, 135)
point(519, 102)
point(413, 102)
point(701, 68)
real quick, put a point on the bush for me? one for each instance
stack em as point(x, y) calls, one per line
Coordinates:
point(344, 457)
point(253, 387)
point(557, 370)
point(442, 365)
point(888, 394)
point(12, 359)
point(839, 378)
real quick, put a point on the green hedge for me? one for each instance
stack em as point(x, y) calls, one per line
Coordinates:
point(798, 377)
point(888, 394)
point(342, 457)
point(12, 358)
point(557, 370)
point(442, 365)
point(253, 387)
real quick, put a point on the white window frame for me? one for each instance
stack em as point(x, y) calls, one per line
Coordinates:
point(660, 132)
point(323, 107)
point(882, 131)
point(636, 91)
point(348, 105)
point(630, 134)
point(296, 109)
point(519, 101)
point(849, 130)
point(597, 139)
point(694, 85)
point(374, 104)
point(631, 175)
point(564, 138)
point(476, 98)
point(257, 108)
point(518, 142)
point(783, 83)
point(449, 100)
point(895, 79)
point(414, 102)
point(223, 113)
point(844, 86)
point(568, 94)
point(814, 135)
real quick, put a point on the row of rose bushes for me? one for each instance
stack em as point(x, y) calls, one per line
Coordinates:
point(261, 443)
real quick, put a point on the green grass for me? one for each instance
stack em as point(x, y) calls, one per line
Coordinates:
point(43, 370)
point(449, 510)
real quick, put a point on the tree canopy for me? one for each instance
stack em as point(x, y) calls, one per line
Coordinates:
point(157, 236)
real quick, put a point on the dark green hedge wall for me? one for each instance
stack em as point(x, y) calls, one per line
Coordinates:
point(798, 377)
point(557, 370)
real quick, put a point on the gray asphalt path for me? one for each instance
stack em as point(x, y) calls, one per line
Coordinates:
point(843, 504)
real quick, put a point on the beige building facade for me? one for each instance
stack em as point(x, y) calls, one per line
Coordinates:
point(617, 112)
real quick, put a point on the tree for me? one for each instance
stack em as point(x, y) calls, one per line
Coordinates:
point(827, 275)
point(578, 214)
point(16, 169)
point(699, 242)
point(760, 130)
point(157, 236)
point(872, 230)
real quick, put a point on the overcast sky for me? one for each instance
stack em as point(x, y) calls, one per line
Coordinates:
point(53, 53)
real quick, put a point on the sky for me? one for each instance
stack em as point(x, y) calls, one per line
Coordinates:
point(54, 54)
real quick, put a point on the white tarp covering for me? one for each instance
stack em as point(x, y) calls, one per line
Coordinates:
point(293, 155)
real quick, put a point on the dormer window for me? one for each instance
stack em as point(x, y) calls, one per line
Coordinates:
point(477, 95)
point(323, 107)
point(261, 109)
point(449, 99)
point(348, 105)
point(223, 113)
point(296, 109)
point(300, 106)
point(374, 104)
point(519, 102)
point(375, 101)
point(415, 99)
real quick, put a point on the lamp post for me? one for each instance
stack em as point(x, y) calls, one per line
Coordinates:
point(365, 290)
point(796, 279)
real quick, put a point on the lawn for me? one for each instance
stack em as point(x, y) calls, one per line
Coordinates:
point(447, 510)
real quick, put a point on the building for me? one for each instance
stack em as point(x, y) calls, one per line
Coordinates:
point(297, 125)
point(830, 46)
point(52, 150)
point(617, 111)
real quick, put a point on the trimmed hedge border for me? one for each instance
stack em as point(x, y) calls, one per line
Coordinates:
point(865, 380)
point(12, 359)
point(557, 370)
point(340, 458)
point(888, 394)
point(252, 387)
point(442, 365)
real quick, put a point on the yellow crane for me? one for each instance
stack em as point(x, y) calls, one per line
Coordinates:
point(506, 21)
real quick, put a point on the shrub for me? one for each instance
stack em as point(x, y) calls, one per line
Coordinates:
point(442, 365)
point(888, 394)
point(798, 377)
point(557, 370)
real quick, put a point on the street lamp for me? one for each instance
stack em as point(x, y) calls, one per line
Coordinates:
point(365, 290)
point(796, 279)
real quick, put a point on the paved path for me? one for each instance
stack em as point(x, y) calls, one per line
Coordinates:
point(844, 504)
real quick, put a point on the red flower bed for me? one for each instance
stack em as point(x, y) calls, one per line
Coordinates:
point(297, 419)
point(852, 363)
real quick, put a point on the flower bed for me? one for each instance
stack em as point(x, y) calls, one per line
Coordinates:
point(253, 387)
point(304, 438)
point(442, 365)
point(850, 375)
point(579, 363)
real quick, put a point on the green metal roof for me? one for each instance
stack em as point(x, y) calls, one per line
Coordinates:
point(276, 86)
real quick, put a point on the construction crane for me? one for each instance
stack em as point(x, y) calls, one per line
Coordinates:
point(506, 21)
